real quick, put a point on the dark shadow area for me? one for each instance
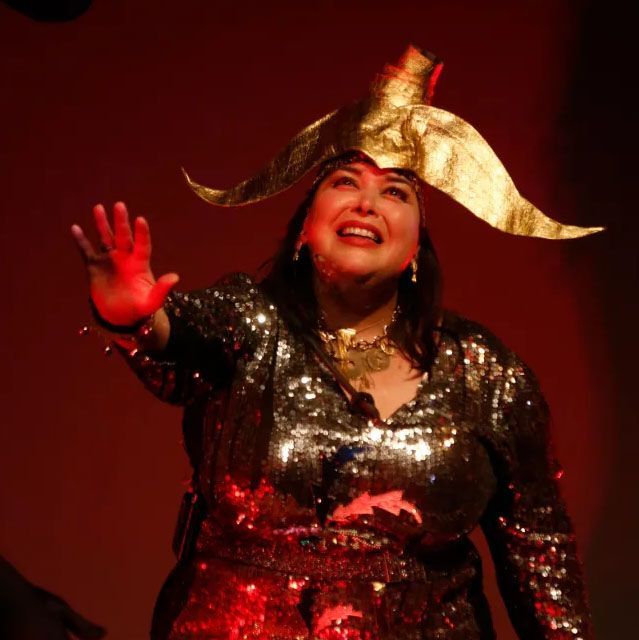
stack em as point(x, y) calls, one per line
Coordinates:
point(48, 11)
point(599, 124)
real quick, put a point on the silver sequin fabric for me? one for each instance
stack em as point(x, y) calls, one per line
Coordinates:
point(321, 524)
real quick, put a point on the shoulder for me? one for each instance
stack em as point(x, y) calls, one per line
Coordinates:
point(232, 289)
point(476, 339)
point(232, 303)
point(236, 284)
point(486, 356)
point(503, 390)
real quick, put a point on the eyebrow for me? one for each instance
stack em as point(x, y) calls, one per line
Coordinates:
point(390, 177)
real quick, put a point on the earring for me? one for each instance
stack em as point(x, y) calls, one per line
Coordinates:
point(296, 254)
point(413, 268)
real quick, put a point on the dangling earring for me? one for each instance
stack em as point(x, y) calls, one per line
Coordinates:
point(413, 268)
point(298, 245)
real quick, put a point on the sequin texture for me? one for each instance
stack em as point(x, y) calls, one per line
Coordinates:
point(323, 525)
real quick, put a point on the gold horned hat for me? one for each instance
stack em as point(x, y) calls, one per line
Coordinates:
point(396, 127)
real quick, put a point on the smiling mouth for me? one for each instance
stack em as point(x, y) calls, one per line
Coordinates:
point(358, 232)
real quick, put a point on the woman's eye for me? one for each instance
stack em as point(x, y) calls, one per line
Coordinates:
point(344, 180)
point(396, 192)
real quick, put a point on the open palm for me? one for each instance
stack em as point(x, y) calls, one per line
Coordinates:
point(121, 282)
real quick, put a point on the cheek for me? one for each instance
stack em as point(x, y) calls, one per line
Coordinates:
point(315, 232)
point(317, 227)
point(404, 246)
point(406, 234)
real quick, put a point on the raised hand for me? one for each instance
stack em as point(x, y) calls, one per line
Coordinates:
point(122, 285)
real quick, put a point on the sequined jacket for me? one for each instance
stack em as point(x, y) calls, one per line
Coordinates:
point(321, 524)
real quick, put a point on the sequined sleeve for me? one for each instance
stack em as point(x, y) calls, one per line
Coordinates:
point(528, 530)
point(210, 329)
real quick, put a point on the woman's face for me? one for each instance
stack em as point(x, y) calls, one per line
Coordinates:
point(362, 224)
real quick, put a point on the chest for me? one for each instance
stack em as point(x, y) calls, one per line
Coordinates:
point(395, 385)
point(420, 473)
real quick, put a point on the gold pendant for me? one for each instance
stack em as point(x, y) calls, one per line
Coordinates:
point(358, 360)
point(354, 365)
point(376, 359)
point(359, 364)
point(356, 369)
point(344, 339)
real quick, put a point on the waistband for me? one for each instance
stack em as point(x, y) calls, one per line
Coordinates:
point(295, 559)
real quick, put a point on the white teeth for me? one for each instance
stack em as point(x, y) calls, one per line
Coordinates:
point(358, 231)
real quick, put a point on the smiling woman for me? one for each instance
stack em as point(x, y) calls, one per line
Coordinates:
point(362, 206)
point(311, 515)
point(359, 240)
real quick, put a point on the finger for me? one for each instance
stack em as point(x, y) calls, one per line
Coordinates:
point(142, 239)
point(83, 244)
point(104, 228)
point(161, 289)
point(123, 238)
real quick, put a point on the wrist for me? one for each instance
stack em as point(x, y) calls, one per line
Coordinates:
point(151, 333)
point(122, 329)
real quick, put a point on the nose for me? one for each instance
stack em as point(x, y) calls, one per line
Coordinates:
point(367, 203)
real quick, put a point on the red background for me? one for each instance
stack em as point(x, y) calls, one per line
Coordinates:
point(109, 106)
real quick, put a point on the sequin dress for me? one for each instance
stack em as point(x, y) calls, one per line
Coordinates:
point(323, 525)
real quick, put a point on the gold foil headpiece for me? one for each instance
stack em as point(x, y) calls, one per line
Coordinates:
point(397, 128)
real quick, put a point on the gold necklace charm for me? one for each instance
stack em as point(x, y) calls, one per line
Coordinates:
point(343, 342)
point(359, 359)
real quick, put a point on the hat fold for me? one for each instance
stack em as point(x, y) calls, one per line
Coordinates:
point(396, 127)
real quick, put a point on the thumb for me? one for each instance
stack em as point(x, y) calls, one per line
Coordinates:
point(161, 289)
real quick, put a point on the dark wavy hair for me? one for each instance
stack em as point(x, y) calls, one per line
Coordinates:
point(289, 284)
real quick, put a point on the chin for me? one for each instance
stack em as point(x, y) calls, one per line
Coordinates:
point(351, 270)
point(350, 264)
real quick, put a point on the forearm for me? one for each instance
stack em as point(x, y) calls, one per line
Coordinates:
point(165, 357)
point(527, 525)
point(541, 580)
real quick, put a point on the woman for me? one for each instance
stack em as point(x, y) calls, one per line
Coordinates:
point(319, 511)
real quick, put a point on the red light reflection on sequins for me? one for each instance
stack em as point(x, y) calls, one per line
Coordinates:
point(551, 610)
point(247, 501)
point(330, 625)
point(242, 615)
point(297, 584)
point(391, 501)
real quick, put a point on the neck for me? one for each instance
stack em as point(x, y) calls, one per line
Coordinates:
point(363, 308)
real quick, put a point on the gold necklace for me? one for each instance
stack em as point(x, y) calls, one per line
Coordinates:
point(358, 359)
